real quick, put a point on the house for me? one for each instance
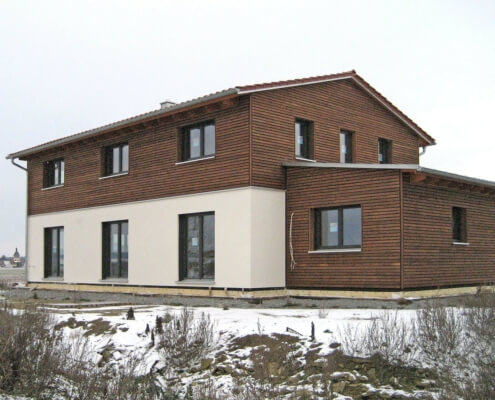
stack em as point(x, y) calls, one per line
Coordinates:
point(307, 187)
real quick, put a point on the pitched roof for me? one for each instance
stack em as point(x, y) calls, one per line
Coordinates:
point(232, 92)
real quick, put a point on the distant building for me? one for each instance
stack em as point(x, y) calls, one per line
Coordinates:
point(16, 260)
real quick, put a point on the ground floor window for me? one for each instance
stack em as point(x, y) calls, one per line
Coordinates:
point(197, 246)
point(54, 252)
point(338, 227)
point(115, 249)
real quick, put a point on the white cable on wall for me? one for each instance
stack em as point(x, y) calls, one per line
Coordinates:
point(291, 249)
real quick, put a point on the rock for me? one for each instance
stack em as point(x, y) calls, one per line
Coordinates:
point(334, 345)
point(206, 363)
point(339, 387)
point(343, 376)
point(221, 370)
point(273, 368)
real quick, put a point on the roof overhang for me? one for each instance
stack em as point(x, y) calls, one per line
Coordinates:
point(418, 173)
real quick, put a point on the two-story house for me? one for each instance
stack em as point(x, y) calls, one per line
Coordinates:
point(303, 187)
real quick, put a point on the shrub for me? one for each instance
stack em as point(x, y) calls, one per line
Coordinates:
point(184, 341)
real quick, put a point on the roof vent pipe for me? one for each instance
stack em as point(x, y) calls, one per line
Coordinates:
point(167, 104)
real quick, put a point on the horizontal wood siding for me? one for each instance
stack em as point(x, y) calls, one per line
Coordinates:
point(153, 172)
point(332, 106)
point(378, 265)
point(430, 258)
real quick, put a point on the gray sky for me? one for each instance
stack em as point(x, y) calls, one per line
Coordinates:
point(68, 66)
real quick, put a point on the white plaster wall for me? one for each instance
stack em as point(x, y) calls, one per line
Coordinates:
point(243, 259)
point(268, 238)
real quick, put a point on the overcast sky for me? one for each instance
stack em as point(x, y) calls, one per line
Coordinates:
point(68, 66)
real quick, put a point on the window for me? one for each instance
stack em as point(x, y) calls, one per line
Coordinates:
point(54, 252)
point(304, 133)
point(116, 159)
point(459, 227)
point(198, 141)
point(338, 228)
point(197, 246)
point(345, 147)
point(384, 151)
point(115, 249)
point(54, 173)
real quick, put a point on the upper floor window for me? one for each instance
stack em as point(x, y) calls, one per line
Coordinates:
point(459, 226)
point(197, 141)
point(54, 252)
point(54, 173)
point(116, 159)
point(338, 228)
point(384, 151)
point(304, 139)
point(345, 147)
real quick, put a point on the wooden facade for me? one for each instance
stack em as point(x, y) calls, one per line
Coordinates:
point(430, 258)
point(406, 231)
point(154, 168)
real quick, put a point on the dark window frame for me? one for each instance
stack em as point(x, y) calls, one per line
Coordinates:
point(108, 159)
point(50, 177)
point(387, 156)
point(48, 267)
point(317, 228)
point(183, 239)
point(106, 243)
point(459, 225)
point(349, 143)
point(184, 141)
point(309, 136)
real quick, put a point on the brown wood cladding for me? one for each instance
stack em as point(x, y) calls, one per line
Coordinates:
point(332, 106)
point(377, 191)
point(430, 258)
point(153, 172)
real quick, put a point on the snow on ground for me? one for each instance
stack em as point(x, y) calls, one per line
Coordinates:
point(122, 337)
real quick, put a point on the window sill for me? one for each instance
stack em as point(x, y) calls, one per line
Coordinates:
point(114, 175)
point(353, 250)
point(305, 159)
point(196, 282)
point(53, 279)
point(114, 280)
point(460, 243)
point(52, 187)
point(196, 159)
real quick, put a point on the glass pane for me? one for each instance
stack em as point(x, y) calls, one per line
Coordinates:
point(56, 177)
point(62, 171)
point(209, 140)
point(114, 251)
point(115, 160)
point(298, 139)
point(61, 258)
point(125, 158)
point(193, 246)
point(209, 246)
point(352, 226)
point(195, 142)
point(329, 228)
point(54, 253)
point(124, 248)
point(343, 148)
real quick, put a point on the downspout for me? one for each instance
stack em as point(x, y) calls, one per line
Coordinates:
point(12, 160)
point(423, 150)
